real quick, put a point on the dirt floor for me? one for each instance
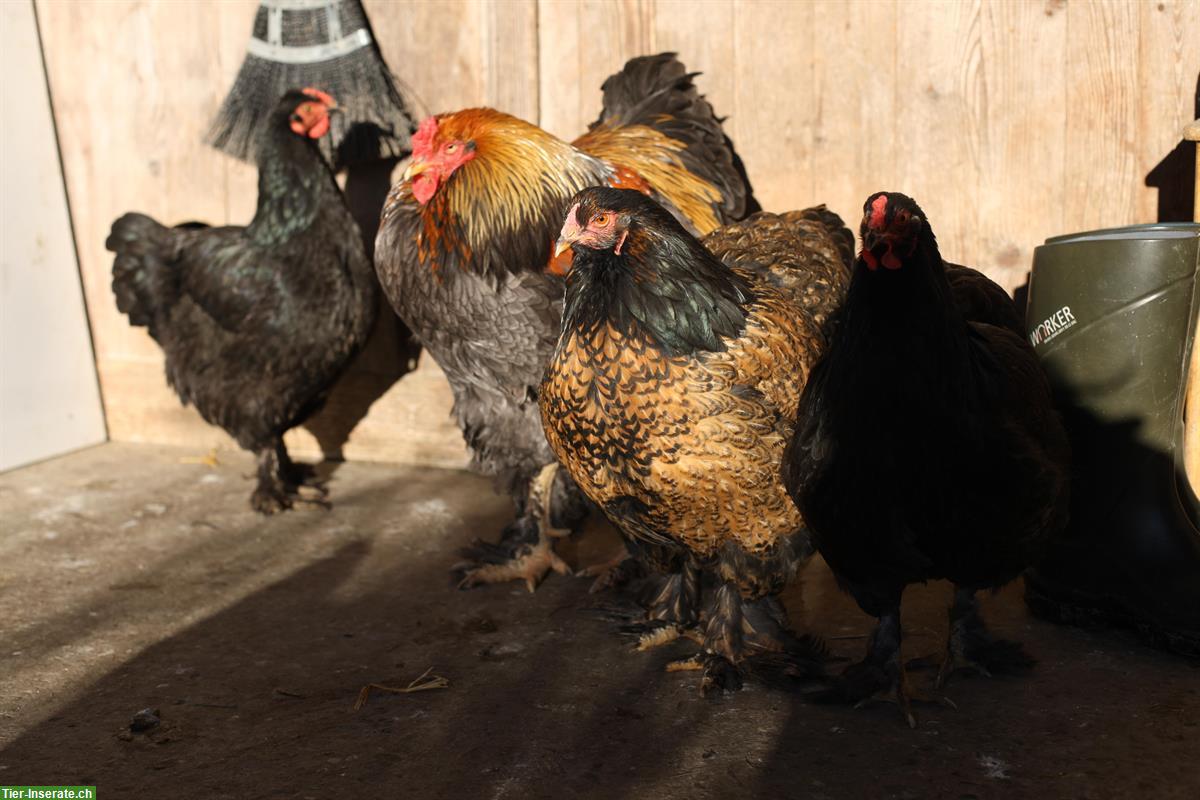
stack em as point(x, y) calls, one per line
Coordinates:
point(133, 580)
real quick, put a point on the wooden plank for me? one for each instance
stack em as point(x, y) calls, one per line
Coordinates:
point(775, 101)
point(1023, 153)
point(1102, 97)
point(1168, 98)
point(559, 88)
point(854, 151)
point(940, 130)
point(580, 44)
point(455, 54)
point(687, 28)
point(511, 66)
point(434, 47)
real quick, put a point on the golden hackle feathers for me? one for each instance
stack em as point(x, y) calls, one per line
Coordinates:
point(656, 159)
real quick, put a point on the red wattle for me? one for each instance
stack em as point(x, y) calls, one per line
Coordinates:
point(869, 259)
point(320, 129)
point(424, 186)
point(890, 261)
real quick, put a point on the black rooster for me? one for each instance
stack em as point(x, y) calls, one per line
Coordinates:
point(257, 323)
point(926, 446)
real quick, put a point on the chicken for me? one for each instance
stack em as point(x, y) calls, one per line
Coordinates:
point(463, 253)
point(257, 323)
point(926, 447)
point(671, 396)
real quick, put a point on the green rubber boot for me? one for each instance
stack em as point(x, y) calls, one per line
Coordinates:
point(1113, 314)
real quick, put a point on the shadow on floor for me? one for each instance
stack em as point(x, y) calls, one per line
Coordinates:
point(544, 700)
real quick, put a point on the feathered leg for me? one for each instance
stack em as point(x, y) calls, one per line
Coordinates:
point(272, 494)
point(294, 474)
point(881, 675)
point(279, 482)
point(673, 611)
point(752, 637)
point(526, 549)
point(773, 650)
point(723, 644)
point(969, 646)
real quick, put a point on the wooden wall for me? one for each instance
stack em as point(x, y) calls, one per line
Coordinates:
point(1008, 121)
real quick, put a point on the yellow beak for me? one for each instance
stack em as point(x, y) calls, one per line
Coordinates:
point(561, 245)
point(414, 169)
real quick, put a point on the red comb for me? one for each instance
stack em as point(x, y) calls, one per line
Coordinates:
point(317, 94)
point(878, 209)
point(422, 140)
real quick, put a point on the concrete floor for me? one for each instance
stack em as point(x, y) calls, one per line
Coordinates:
point(132, 580)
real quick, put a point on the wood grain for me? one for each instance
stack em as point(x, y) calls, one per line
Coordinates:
point(1023, 150)
point(854, 153)
point(774, 97)
point(1168, 99)
point(1101, 173)
point(580, 44)
point(939, 132)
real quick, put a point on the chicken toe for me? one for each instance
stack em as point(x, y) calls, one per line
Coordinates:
point(510, 560)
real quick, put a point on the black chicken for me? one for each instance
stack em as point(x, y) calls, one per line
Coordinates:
point(926, 447)
point(257, 323)
point(670, 399)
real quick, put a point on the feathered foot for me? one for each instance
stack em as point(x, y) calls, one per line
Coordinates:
point(276, 491)
point(722, 645)
point(970, 646)
point(270, 498)
point(672, 612)
point(774, 653)
point(721, 676)
point(525, 551)
point(649, 635)
point(750, 637)
point(516, 557)
point(541, 497)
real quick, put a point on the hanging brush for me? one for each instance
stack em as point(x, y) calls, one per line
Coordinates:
point(326, 44)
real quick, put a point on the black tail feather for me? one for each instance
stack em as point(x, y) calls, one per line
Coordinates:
point(142, 281)
point(658, 92)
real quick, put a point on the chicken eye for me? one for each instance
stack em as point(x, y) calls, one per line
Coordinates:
point(601, 220)
point(450, 148)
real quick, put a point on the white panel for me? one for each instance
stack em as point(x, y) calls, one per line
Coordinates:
point(49, 401)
